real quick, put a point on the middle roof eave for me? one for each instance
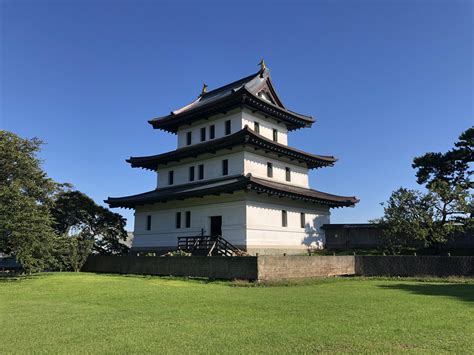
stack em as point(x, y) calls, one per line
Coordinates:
point(245, 137)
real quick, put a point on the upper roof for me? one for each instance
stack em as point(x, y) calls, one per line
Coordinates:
point(230, 184)
point(255, 91)
point(247, 137)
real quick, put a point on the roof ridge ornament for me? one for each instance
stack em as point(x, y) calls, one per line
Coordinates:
point(204, 89)
point(262, 65)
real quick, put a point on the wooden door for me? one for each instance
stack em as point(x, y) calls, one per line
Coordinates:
point(216, 225)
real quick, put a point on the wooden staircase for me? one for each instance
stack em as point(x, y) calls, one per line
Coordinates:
point(206, 245)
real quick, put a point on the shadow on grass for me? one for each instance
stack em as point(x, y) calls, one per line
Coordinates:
point(4, 277)
point(463, 292)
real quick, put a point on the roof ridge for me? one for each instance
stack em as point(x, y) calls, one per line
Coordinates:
point(239, 93)
point(244, 79)
point(302, 116)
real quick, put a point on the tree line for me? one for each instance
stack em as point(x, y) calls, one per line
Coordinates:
point(443, 211)
point(50, 225)
point(46, 224)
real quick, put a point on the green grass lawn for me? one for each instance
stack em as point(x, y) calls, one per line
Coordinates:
point(72, 313)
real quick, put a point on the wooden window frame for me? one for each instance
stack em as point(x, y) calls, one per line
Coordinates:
point(269, 170)
point(201, 171)
point(284, 218)
point(178, 220)
point(148, 222)
point(225, 167)
point(188, 219)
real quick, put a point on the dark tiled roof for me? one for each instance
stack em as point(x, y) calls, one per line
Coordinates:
point(231, 184)
point(305, 194)
point(243, 92)
point(247, 137)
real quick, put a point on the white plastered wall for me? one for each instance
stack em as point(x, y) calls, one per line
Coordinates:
point(212, 169)
point(257, 166)
point(266, 126)
point(240, 163)
point(239, 119)
point(265, 233)
point(249, 221)
point(164, 234)
point(235, 116)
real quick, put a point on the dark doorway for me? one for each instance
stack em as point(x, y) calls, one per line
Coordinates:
point(216, 225)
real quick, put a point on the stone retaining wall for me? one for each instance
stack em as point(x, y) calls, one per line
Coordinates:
point(192, 266)
point(414, 265)
point(298, 267)
point(273, 268)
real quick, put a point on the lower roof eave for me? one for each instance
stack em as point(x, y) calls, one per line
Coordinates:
point(115, 203)
point(230, 185)
point(305, 199)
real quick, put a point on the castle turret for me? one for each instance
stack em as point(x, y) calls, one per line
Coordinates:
point(233, 174)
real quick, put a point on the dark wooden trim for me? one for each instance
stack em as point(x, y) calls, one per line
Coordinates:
point(230, 185)
point(244, 137)
point(240, 98)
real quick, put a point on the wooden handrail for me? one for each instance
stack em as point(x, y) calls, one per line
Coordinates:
point(214, 245)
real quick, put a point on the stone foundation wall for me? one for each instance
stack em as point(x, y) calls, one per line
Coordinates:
point(250, 268)
point(273, 268)
point(414, 265)
point(192, 266)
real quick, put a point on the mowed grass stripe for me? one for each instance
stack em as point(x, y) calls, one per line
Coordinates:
point(77, 313)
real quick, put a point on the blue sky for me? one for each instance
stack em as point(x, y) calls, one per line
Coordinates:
point(386, 80)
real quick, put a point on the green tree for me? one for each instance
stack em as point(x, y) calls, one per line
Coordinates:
point(77, 215)
point(26, 196)
point(448, 176)
point(43, 223)
point(415, 219)
point(452, 167)
point(408, 220)
point(71, 252)
point(453, 203)
point(445, 211)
